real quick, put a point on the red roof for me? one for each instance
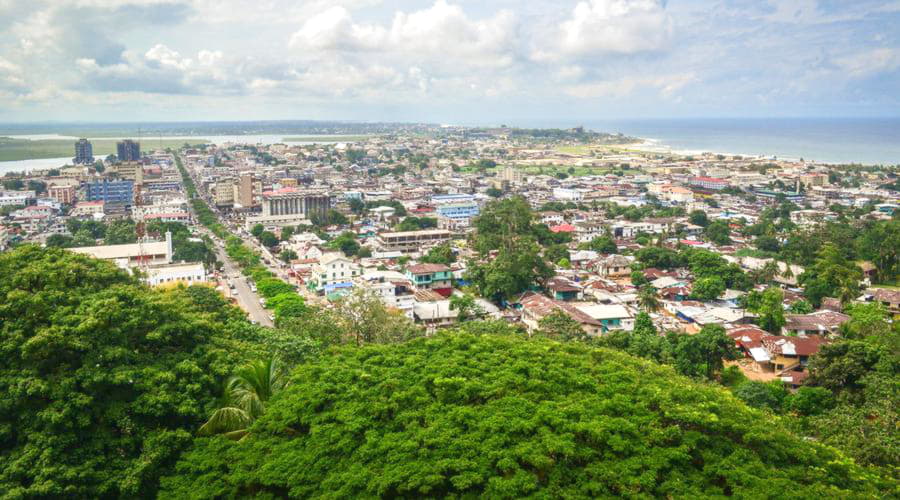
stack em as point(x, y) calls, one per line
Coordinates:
point(563, 228)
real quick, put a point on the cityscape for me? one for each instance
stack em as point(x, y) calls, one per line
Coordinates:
point(309, 308)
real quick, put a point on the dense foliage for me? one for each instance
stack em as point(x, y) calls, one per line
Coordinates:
point(502, 417)
point(103, 380)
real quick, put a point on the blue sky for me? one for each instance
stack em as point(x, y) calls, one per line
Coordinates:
point(446, 61)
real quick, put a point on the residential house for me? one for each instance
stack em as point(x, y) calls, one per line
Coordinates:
point(436, 277)
point(815, 323)
point(562, 288)
point(333, 269)
point(614, 266)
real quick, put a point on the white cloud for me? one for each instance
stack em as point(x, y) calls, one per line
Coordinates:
point(603, 27)
point(665, 85)
point(865, 64)
point(436, 36)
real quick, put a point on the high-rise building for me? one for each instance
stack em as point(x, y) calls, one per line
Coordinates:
point(128, 150)
point(244, 191)
point(223, 192)
point(84, 152)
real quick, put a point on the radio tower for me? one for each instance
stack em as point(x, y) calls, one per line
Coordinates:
point(139, 228)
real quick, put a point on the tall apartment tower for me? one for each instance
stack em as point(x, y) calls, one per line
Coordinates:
point(84, 152)
point(128, 150)
point(244, 190)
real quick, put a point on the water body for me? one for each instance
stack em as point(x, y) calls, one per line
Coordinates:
point(44, 163)
point(864, 140)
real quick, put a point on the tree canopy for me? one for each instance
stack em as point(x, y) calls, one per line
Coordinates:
point(479, 416)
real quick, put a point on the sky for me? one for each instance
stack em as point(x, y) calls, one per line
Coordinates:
point(446, 61)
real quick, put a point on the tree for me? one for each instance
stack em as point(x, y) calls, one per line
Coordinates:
point(647, 298)
point(509, 418)
point(268, 239)
point(801, 307)
point(559, 325)
point(287, 232)
point(287, 255)
point(257, 230)
point(440, 254)
point(703, 354)
point(59, 241)
point(556, 253)
point(494, 192)
point(708, 288)
point(638, 279)
point(515, 268)
point(771, 310)
point(103, 380)
point(357, 206)
point(466, 307)
point(245, 398)
point(346, 243)
point(767, 243)
point(287, 305)
point(718, 232)
point(811, 401)
point(119, 232)
point(501, 222)
point(699, 218)
point(831, 275)
point(270, 287)
point(603, 244)
point(762, 395)
point(366, 320)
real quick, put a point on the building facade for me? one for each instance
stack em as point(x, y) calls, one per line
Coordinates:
point(84, 152)
point(128, 150)
point(110, 191)
point(292, 201)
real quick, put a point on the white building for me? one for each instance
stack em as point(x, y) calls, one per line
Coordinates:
point(333, 268)
point(188, 273)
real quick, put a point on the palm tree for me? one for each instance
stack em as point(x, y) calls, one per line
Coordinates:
point(245, 398)
point(647, 298)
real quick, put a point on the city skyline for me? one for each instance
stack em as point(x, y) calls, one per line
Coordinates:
point(445, 61)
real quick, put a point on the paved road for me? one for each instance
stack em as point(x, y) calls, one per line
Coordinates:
point(247, 299)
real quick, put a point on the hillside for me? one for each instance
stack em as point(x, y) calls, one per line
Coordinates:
point(496, 416)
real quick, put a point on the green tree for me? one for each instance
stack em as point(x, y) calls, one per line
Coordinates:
point(257, 230)
point(708, 288)
point(516, 267)
point(59, 241)
point(703, 354)
point(648, 299)
point(346, 243)
point(440, 254)
point(771, 310)
point(103, 380)
point(698, 218)
point(603, 244)
point(494, 192)
point(119, 232)
point(831, 275)
point(268, 239)
point(270, 287)
point(365, 319)
point(811, 401)
point(357, 206)
point(466, 307)
point(287, 305)
point(509, 418)
point(559, 325)
point(287, 255)
point(245, 397)
point(762, 395)
point(718, 232)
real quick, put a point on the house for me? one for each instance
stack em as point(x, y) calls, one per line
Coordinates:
point(535, 307)
point(333, 268)
point(889, 298)
point(433, 310)
point(790, 353)
point(436, 277)
point(815, 323)
point(610, 316)
point(562, 288)
point(187, 273)
point(614, 266)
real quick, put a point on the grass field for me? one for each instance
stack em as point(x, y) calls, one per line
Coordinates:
point(554, 169)
point(590, 149)
point(24, 149)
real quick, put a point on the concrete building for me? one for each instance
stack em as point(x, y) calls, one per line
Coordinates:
point(62, 194)
point(244, 191)
point(128, 150)
point(129, 170)
point(132, 254)
point(412, 241)
point(186, 273)
point(16, 198)
point(84, 152)
point(291, 201)
point(110, 191)
point(223, 193)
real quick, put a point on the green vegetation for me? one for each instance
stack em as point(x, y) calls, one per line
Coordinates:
point(319, 139)
point(25, 149)
point(478, 416)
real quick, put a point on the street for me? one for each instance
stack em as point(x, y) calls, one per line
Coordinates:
point(247, 299)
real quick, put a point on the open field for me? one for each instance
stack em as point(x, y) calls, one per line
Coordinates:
point(590, 149)
point(24, 149)
point(578, 171)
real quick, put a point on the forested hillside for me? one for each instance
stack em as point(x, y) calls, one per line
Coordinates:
point(111, 389)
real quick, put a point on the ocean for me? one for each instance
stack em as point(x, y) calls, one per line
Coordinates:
point(874, 141)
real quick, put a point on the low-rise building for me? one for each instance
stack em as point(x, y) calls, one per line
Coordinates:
point(436, 277)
